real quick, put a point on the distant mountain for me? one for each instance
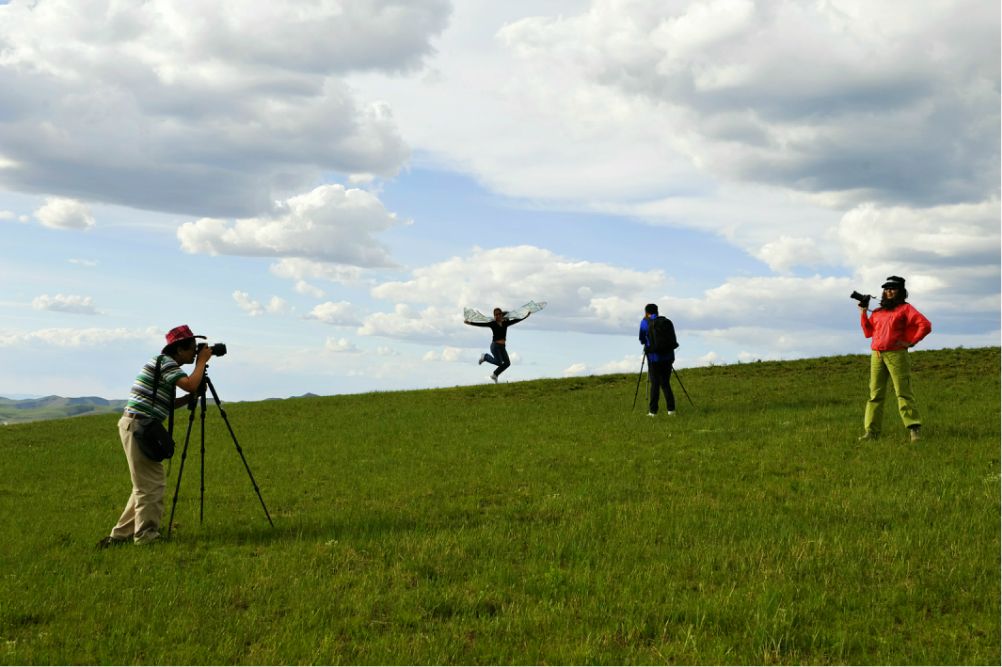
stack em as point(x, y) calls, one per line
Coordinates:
point(54, 407)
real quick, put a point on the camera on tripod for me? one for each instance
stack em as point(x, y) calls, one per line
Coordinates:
point(218, 349)
point(864, 299)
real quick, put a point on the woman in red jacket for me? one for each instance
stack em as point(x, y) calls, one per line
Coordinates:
point(894, 327)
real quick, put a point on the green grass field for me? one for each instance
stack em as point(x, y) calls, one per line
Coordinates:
point(529, 523)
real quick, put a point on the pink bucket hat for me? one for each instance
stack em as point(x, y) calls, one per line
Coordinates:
point(178, 334)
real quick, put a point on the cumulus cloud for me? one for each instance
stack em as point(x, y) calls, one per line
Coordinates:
point(330, 223)
point(582, 295)
point(407, 323)
point(65, 303)
point(870, 100)
point(254, 308)
point(301, 271)
point(212, 112)
point(446, 354)
point(341, 346)
point(592, 297)
point(63, 213)
point(75, 337)
point(341, 313)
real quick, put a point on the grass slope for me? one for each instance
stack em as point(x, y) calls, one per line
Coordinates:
point(532, 522)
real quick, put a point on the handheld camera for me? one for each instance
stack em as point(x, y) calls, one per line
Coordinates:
point(218, 349)
point(863, 299)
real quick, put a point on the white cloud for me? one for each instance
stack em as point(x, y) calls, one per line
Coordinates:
point(295, 268)
point(254, 308)
point(75, 338)
point(63, 213)
point(65, 303)
point(230, 103)
point(407, 323)
point(341, 346)
point(576, 369)
point(341, 313)
point(303, 287)
point(582, 295)
point(788, 252)
point(871, 100)
point(446, 354)
point(329, 223)
point(86, 263)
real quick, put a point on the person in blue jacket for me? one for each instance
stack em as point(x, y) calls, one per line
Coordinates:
point(659, 366)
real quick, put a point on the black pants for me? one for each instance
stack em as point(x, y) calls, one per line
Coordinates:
point(659, 373)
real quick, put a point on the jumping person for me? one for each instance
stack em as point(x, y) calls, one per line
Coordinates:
point(140, 522)
point(894, 327)
point(660, 362)
point(499, 328)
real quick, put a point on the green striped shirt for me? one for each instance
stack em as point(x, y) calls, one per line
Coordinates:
point(142, 389)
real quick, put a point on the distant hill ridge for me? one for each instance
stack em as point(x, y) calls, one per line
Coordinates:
point(19, 411)
point(55, 407)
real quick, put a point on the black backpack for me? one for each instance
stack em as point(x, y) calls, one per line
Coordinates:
point(661, 336)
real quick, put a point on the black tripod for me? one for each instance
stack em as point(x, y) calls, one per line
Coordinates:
point(641, 375)
point(199, 397)
point(639, 378)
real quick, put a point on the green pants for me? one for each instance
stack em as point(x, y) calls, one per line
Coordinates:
point(895, 366)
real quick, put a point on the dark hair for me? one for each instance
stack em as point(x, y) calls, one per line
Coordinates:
point(899, 298)
point(651, 309)
point(173, 348)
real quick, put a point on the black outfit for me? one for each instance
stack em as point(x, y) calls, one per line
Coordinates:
point(498, 331)
point(498, 355)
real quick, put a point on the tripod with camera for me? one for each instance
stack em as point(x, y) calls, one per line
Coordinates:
point(198, 398)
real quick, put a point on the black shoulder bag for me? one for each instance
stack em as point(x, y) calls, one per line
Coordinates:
point(154, 440)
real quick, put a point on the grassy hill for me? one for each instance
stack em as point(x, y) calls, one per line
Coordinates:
point(531, 522)
point(54, 407)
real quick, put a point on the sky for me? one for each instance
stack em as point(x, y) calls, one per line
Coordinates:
point(324, 185)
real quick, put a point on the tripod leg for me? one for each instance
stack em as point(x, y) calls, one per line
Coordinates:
point(180, 470)
point(679, 378)
point(201, 494)
point(639, 378)
point(240, 451)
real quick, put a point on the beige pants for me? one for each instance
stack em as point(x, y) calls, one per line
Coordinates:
point(145, 509)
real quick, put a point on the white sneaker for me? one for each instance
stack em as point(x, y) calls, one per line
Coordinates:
point(148, 537)
point(493, 377)
point(670, 412)
point(482, 357)
point(651, 414)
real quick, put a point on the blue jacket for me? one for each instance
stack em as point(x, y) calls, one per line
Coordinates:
point(653, 356)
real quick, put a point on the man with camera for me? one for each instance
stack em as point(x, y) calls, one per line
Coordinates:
point(657, 335)
point(151, 398)
point(893, 327)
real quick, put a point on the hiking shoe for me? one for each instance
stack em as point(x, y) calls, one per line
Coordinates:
point(915, 437)
point(113, 541)
point(482, 358)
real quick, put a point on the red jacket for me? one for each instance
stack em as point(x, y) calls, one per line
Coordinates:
point(896, 329)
